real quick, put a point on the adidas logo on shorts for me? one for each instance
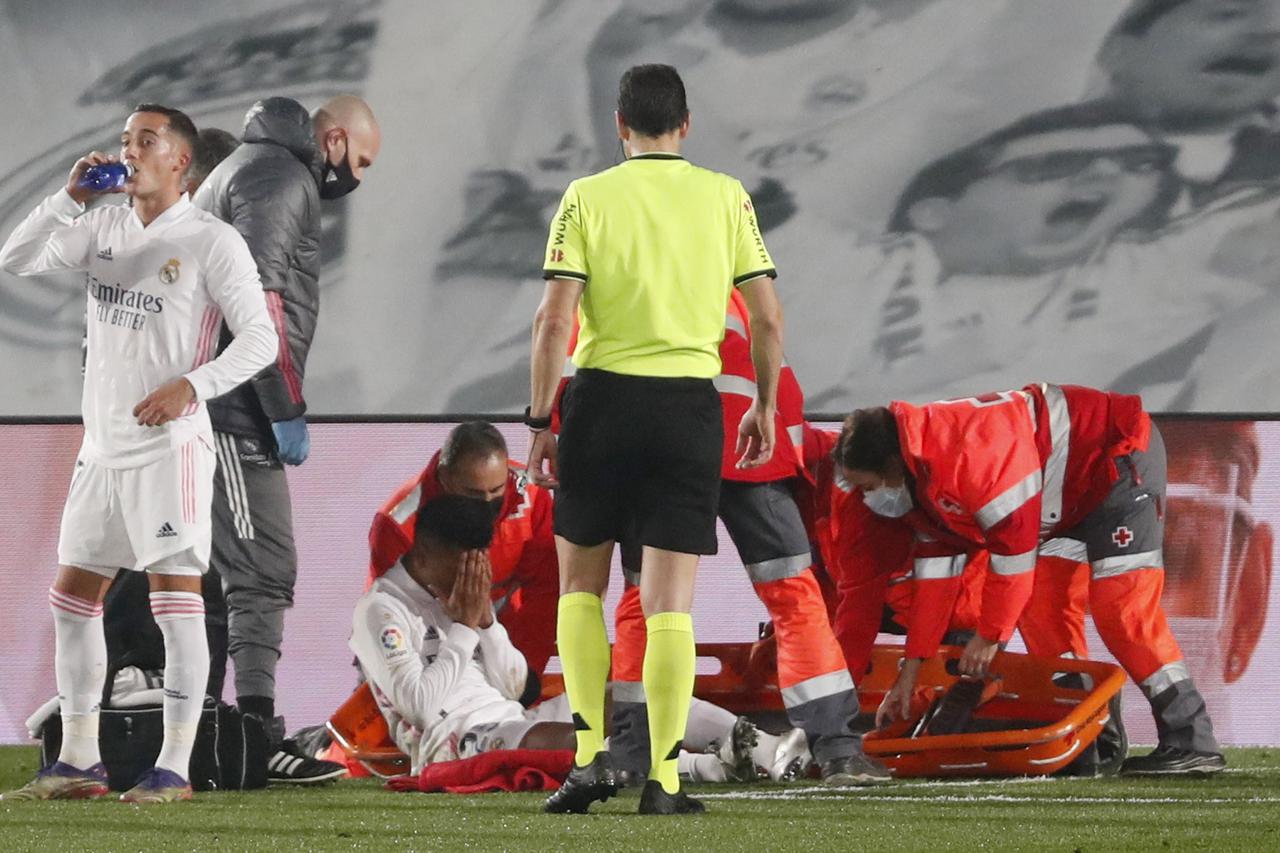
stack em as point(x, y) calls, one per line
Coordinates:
point(166, 530)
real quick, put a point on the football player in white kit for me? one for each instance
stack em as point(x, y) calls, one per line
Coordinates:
point(161, 277)
point(447, 678)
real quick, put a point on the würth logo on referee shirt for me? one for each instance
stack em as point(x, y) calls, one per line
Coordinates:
point(166, 530)
point(556, 255)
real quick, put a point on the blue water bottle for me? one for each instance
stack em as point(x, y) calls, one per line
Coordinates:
point(105, 176)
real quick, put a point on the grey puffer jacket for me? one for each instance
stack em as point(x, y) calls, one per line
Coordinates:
point(268, 188)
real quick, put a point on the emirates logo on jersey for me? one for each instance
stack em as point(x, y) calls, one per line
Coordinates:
point(170, 271)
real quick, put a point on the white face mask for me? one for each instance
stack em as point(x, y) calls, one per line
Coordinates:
point(889, 501)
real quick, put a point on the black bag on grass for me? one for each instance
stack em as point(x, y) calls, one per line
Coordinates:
point(230, 751)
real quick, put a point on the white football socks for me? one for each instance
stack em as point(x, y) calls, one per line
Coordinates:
point(180, 616)
point(80, 666)
point(701, 767)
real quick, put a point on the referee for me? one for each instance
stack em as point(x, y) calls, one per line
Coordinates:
point(647, 253)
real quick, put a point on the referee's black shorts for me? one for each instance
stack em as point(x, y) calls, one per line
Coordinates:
point(639, 459)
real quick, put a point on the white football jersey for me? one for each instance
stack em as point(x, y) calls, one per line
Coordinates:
point(434, 679)
point(157, 296)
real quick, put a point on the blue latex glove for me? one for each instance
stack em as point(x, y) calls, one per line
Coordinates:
point(292, 441)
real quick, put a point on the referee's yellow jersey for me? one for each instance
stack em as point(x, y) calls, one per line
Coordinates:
point(660, 243)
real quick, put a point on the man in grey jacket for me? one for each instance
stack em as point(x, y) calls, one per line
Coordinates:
point(270, 189)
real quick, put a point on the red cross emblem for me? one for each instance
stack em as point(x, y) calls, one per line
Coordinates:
point(1122, 536)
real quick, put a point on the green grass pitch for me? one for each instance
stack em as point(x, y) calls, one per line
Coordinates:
point(1239, 810)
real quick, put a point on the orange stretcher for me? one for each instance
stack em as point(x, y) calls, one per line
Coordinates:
point(360, 731)
point(1034, 727)
point(1031, 725)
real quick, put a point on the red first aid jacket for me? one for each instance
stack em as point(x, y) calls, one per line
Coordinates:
point(737, 386)
point(866, 555)
point(522, 554)
point(1004, 472)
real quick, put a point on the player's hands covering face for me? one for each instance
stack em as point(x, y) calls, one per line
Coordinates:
point(469, 602)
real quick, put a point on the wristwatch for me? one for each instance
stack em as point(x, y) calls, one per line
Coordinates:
point(536, 424)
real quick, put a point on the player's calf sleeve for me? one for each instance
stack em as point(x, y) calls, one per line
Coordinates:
point(583, 644)
point(180, 616)
point(80, 665)
point(669, 661)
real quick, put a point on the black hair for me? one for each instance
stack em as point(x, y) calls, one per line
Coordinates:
point(454, 521)
point(1140, 17)
point(179, 123)
point(213, 144)
point(949, 176)
point(651, 99)
point(473, 438)
point(868, 441)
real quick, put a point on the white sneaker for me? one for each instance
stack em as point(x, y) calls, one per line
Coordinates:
point(791, 758)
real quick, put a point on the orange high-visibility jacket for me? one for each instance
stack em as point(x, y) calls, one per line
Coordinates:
point(1004, 472)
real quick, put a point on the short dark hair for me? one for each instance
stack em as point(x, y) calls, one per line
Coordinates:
point(868, 440)
point(454, 521)
point(473, 438)
point(1142, 15)
point(213, 144)
point(952, 174)
point(179, 122)
point(651, 99)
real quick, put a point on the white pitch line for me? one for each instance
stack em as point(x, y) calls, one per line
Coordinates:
point(980, 798)
point(995, 782)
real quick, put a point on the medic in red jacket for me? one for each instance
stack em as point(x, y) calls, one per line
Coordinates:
point(759, 511)
point(1004, 472)
point(473, 464)
point(867, 558)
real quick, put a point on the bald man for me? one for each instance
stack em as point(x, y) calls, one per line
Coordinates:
point(270, 188)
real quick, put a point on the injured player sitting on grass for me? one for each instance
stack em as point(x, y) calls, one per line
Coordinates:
point(447, 678)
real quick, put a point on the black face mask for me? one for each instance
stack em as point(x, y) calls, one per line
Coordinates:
point(337, 181)
point(495, 508)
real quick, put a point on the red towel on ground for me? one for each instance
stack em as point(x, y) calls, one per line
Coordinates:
point(500, 770)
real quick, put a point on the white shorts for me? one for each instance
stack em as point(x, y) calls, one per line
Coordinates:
point(154, 518)
point(507, 734)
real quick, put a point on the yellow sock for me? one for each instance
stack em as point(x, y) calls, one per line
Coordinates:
point(583, 645)
point(669, 661)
